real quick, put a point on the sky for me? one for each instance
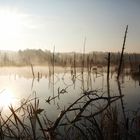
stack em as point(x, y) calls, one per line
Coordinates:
point(43, 24)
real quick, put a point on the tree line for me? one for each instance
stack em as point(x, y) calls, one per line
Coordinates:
point(45, 58)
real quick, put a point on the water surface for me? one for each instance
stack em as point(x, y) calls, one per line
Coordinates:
point(18, 84)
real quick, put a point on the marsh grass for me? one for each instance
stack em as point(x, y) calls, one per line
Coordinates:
point(29, 121)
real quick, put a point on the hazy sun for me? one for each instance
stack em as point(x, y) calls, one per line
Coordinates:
point(10, 24)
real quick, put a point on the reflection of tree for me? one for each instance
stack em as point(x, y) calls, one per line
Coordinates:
point(126, 127)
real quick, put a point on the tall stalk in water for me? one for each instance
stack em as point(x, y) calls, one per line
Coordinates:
point(53, 67)
point(32, 71)
point(121, 58)
point(108, 71)
point(83, 56)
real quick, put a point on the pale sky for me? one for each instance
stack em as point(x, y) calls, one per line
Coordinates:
point(41, 24)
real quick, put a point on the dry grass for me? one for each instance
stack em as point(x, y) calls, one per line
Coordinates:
point(29, 121)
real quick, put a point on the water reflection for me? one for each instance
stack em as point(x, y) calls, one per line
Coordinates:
point(136, 77)
point(45, 85)
point(56, 92)
point(6, 98)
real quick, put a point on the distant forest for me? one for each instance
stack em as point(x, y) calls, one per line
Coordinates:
point(46, 58)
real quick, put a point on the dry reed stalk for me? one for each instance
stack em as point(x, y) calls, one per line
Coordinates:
point(32, 71)
point(121, 58)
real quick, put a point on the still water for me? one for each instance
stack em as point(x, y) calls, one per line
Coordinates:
point(17, 84)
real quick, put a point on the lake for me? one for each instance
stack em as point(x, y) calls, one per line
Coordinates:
point(17, 84)
point(57, 92)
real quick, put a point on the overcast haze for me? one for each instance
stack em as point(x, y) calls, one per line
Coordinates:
point(65, 23)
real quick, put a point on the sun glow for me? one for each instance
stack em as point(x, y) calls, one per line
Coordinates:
point(10, 23)
point(12, 27)
point(6, 98)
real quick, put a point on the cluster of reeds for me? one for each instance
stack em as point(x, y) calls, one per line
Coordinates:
point(77, 121)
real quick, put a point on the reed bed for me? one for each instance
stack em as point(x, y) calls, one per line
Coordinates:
point(30, 122)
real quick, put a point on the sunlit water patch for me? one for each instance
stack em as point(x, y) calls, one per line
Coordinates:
point(6, 98)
